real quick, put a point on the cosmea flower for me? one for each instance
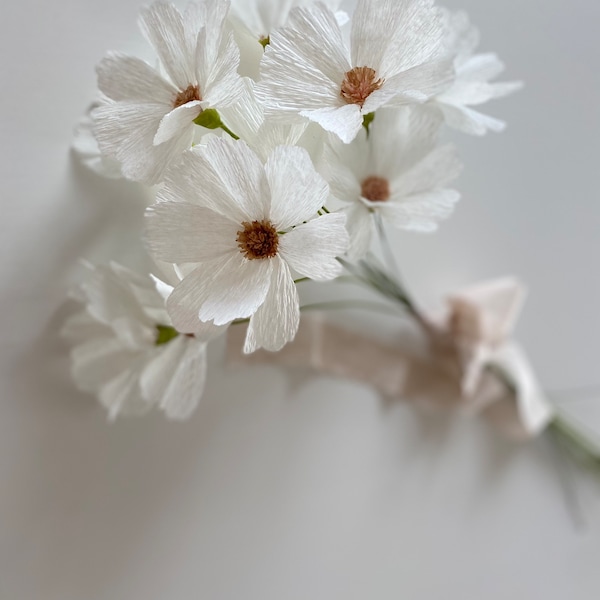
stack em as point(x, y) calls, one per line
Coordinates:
point(472, 86)
point(247, 226)
point(147, 120)
point(397, 171)
point(126, 352)
point(393, 60)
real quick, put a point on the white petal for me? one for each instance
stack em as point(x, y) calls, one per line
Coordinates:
point(440, 167)
point(129, 79)
point(312, 249)
point(122, 395)
point(276, 322)
point(162, 25)
point(359, 223)
point(345, 121)
point(126, 132)
point(297, 190)
point(221, 83)
point(421, 212)
point(179, 232)
point(223, 290)
point(174, 380)
point(225, 176)
point(414, 86)
point(394, 35)
point(177, 121)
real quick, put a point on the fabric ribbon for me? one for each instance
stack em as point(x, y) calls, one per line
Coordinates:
point(472, 363)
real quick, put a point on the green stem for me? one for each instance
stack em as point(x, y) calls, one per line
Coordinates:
point(229, 132)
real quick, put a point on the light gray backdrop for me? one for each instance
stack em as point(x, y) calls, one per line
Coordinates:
point(313, 490)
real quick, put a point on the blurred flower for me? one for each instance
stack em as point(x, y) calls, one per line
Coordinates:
point(246, 225)
point(472, 86)
point(393, 60)
point(147, 121)
point(397, 171)
point(126, 351)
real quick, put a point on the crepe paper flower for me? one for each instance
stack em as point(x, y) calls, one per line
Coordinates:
point(473, 85)
point(126, 351)
point(147, 120)
point(393, 60)
point(397, 171)
point(85, 147)
point(478, 326)
point(247, 226)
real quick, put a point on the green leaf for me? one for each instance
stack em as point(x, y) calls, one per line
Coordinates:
point(264, 42)
point(209, 118)
point(165, 334)
point(367, 120)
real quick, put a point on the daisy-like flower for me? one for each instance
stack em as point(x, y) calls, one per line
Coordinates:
point(246, 226)
point(397, 171)
point(126, 352)
point(473, 85)
point(147, 120)
point(394, 59)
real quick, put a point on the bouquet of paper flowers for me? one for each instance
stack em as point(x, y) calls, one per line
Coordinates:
point(284, 140)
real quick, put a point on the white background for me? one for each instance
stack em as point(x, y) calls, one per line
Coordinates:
point(295, 489)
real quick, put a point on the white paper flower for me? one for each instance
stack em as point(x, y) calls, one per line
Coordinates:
point(247, 225)
point(398, 171)
point(126, 352)
point(393, 60)
point(147, 121)
point(472, 86)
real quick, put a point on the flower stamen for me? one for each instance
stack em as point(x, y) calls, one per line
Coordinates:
point(359, 83)
point(376, 189)
point(190, 94)
point(258, 240)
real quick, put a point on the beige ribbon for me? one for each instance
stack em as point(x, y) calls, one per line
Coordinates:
point(469, 347)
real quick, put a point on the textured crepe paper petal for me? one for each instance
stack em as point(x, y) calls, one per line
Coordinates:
point(128, 79)
point(391, 36)
point(178, 232)
point(126, 132)
point(276, 322)
point(123, 396)
point(420, 212)
point(344, 121)
point(436, 170)
point(222, 290)
point(162, 25)
point(174, 381)
point(359, 223)
point(221, 85)
point(297, 190)
point(177, 121)
point(312, 249)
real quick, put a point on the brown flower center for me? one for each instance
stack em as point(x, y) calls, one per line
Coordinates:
point(359, 84)
point(190, 94)
point(258, 239)
point(376, 189)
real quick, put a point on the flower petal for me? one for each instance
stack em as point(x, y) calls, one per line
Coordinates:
point(276, 322)
point(122, 395)
point(297, 190)
point(312, 249)
point(345, 121)
point(126, 132)
point(222, 290)
point(174, 380)
point(359, 223)
point(177, 121)
point(421, 212)
point(391, 36)
point(162, 25)
point(179, 232)
point(128, 79)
